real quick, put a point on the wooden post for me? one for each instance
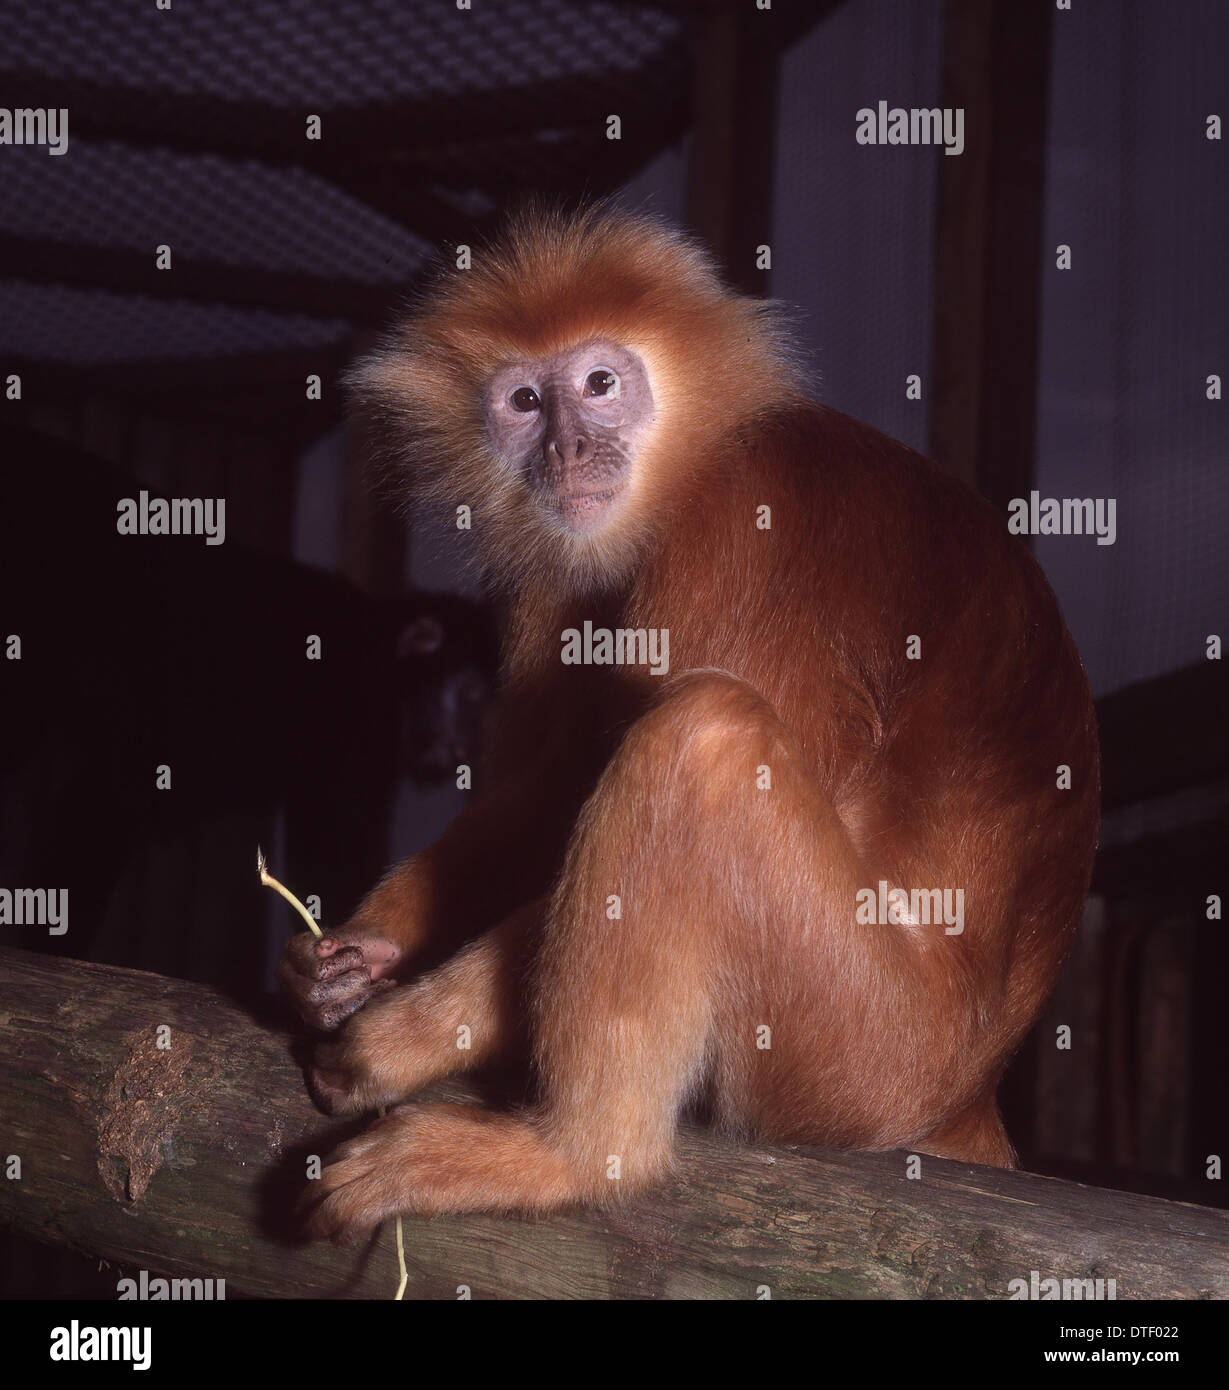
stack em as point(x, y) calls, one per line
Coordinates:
point(996, 66)
point(733, 138)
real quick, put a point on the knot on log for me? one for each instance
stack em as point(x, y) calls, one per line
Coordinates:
point(147, 1097)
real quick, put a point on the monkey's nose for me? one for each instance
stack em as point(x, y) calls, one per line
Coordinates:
point(565, 451)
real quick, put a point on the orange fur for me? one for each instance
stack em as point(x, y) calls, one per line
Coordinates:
point(789, 652)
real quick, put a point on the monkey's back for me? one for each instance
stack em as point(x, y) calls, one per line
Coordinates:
point(914, 650)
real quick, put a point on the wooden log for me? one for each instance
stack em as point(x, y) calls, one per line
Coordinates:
point(183, 1159)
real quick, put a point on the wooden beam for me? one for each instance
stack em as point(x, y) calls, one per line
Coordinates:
point(185, 1161)
point(733, 139)
point(363, 136)
point(996, 66)
point(262, 392)
point(734, 97)
point(264, 371)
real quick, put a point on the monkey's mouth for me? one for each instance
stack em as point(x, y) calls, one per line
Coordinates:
point(585, 511)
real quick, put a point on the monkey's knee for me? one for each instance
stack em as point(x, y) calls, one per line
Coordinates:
point(711, 699)
point(708, 726)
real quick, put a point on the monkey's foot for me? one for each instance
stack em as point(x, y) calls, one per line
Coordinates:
point(421, 1160)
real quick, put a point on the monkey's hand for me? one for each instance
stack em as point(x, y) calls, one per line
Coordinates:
point(364, 1065)
point(328, 978)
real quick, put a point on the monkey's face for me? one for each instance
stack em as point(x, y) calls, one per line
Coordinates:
point(570, 427)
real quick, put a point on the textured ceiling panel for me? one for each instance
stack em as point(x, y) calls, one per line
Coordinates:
point(97, 327)
point(232, 212)
point(288, 52)
point(186, 127)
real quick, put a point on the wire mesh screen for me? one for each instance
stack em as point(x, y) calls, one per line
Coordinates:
point(856, 223)
point(1130, 334)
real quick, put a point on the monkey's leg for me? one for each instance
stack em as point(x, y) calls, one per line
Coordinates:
point(450, 1020)
point(639, 931)
point(976, 1135)
point(694, 908)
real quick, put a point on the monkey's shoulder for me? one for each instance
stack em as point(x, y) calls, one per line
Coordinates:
point(821, 452)
point(835, 492)
point(821, 511)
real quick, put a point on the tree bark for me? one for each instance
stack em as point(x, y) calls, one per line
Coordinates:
point(184, 1159)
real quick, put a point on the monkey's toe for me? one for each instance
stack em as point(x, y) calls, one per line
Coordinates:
point(334, 1090)
point(364, 1185)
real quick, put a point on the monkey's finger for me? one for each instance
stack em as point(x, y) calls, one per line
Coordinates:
point(324, 1216)
point(351, 1196)
point(353, 984)
point(341, 962)
point(312, 997)
point(343, 997)
point(303, 956)
point(300, 985)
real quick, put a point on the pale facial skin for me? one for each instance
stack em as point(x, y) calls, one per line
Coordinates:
point(570, 426)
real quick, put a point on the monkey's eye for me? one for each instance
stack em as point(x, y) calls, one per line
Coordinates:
point(602, 382)
point(525, 399)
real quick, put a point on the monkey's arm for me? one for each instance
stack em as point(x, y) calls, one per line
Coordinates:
point(465, 883)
